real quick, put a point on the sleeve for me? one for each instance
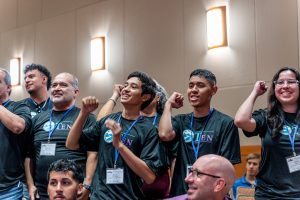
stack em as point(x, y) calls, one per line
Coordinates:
point(151, 153)
point(23, 111)
point(260, 117)
point(230, 143)
point(90, 136)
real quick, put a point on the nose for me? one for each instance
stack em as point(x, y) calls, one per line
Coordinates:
point(189, 178)
point(58, 187)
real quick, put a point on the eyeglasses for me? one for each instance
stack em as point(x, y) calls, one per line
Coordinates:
point(198, 173)
point(288, 82)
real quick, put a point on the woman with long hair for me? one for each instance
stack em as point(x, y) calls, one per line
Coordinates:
point(278, 128)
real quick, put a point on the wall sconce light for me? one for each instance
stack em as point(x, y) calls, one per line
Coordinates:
point(15, 71)
point(216, 27)
point(98, 53)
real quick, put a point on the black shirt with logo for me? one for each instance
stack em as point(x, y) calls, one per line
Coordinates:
point(275, 180)
point(39, 134)
point(37, 108)
point(12, 148)
point(142, 140)
point(220, 137)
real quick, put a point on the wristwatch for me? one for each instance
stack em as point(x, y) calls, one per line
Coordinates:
point(87, 186)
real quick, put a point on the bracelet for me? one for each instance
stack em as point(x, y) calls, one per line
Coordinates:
point(113, 101)
point(87, 186)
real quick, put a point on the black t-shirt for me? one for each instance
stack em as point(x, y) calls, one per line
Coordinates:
point(37, 108)
point(12, 148)
point(275, 180)
point(220, 137)
point(142, 140)
point(39, 135)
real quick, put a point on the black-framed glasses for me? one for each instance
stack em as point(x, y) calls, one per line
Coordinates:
point(198, 173)
point(288, 82)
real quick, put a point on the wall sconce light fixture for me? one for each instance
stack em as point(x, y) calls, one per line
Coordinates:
point(98, 53)
point(216, 27)
point(15, 71)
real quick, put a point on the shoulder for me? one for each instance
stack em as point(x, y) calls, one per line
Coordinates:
point(222, 116)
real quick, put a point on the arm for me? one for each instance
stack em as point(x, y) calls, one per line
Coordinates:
point(11, 121)
point(29, 179)
point(91, 163)
point(111, 103)
point(89, 104)
point(166, 132)
point(243, 117)
point(135, 163)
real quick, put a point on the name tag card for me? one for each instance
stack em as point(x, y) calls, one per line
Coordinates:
point(293, 163)
point(114, 176)
point(48, 149)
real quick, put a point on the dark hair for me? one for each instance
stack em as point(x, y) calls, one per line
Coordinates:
point(275, 115)
point(65, 165)
point(163, 97)
point(148, 86)
point(208, 75)
point(7, 78)
point(42, 69)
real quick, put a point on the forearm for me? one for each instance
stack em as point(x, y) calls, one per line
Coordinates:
point(11, 121)
point(91, 163)
point(106, 109)
point(166, 132)
point(243, 118)
point(137, 165)
point(28, 172)
point(76, 131)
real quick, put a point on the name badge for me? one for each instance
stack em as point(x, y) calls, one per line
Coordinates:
point(188, 169)
point(115, 176)
point(293, 163)
point(48, 149)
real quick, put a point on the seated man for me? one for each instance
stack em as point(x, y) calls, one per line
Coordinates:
point(249, 179)
point(210, 178)
point(65, 180)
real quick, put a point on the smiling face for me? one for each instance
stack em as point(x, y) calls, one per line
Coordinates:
point(34, 80)
point(63, 93)
point(62, 186)
point(200, 91)
point(287, 93)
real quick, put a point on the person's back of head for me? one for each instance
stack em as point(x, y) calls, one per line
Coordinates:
point(211, 177)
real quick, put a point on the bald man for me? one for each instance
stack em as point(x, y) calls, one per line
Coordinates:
point(210, 178)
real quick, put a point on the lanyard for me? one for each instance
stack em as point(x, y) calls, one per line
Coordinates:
point(196, 150)
point(64, 115)
point(292, 138)
point(154, 120)
point(5, 103)
point(124, 137)
point(41, 108)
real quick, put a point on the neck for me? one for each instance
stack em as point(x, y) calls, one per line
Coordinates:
point(148, 112)
point(290, 108)
point(62, 107)
point(251, 179)
point(201, 111)
point(4, 99)
point(39, 97)
point(131, 113)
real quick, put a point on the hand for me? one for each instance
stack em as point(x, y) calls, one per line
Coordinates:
point(116, 130)
point(260, 88)
point(84, 195)
point(176, 100)
point(89, 104)
point(117, 90)
point(33, 193)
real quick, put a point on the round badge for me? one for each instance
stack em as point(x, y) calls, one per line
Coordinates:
point(46, 126)
point(32, 114)
point(108, 136)
point(286, 130)
point(188, 135)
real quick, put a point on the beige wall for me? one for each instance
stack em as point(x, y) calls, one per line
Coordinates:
point(165, 38)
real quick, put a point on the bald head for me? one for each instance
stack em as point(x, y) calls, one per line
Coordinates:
point(212, 178)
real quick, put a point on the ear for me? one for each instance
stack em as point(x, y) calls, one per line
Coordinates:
point(219, 184)
point(76, 93)
point(9, 88)
point(45, 80)
point(80, 189)
point(146, 97)
point(214, 89)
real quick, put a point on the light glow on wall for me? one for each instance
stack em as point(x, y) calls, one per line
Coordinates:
point(216, 27)
point(15, 71)
point(98, 53)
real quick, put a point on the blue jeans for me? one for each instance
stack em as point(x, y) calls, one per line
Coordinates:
point(13, 193)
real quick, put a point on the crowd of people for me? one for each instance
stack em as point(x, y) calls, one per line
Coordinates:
point(143, 151)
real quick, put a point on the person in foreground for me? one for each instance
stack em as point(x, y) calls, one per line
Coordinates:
point(277, 126)
point(65, 180)
point(210, 178)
